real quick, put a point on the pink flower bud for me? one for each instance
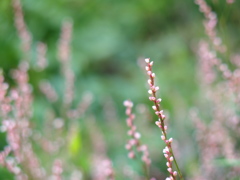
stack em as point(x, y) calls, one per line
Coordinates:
point(153, 75)
point(171, 158)
point(175, 173)
point(132, 142)
point(153, 88)
point(151, 63)
point(131, 155)
point(158, 123)
point(152, 98)
point(169, 169)
point(130, 133)
point(128, 146)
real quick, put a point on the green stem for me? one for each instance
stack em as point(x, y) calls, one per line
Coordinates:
point(176, 164)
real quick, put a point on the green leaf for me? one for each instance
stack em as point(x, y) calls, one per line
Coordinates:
point(75, 142)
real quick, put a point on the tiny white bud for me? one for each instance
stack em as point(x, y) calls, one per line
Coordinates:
point(150, 91)
point(128, 103)
point(151, 63)
point(147, 60)
point(167, 149)
point(149, 73)
point(149, 82)
point(171, 158)
point(159, 100)
point(147, 68)
point(163, 137)
point(170, 140)
point(169, 169)
point(165, 127)
point(175, 173)
point(168, 164)
point(154, 108)
point(153, 75)
point(156, 88)
point(137, 135)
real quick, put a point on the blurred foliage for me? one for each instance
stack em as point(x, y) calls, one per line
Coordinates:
point(109, 40)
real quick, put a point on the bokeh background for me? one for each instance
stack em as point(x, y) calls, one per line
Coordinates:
point(109, 43)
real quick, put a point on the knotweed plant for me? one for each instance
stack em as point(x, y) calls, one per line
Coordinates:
point(167, 151)
point(134, 143)
point(219, 81)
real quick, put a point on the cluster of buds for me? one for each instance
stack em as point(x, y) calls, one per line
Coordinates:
point(82, 106)
point(47, 89)
point(23, 33)
point(209, 63)
point(4, 154)
point(210, 25)
point(41, 56)
point(230, 1)
point(102, 168)
point(168, 153)
point(108, 169)
point(64, 42)
point(10, 127)
point(57, 170)
point(5, 106)
point(135, 136)
point(11, 163)
point(65, 60)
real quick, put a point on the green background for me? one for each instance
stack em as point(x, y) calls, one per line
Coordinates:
point(109, 41)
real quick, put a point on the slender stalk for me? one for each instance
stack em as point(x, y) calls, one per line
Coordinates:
point(168, 152)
